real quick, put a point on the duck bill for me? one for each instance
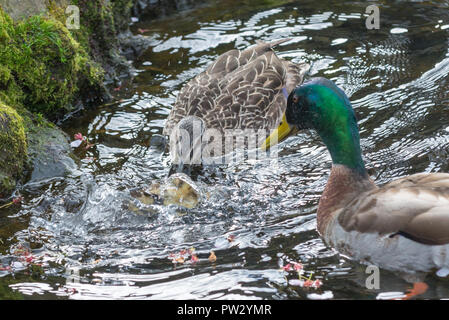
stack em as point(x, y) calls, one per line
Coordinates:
point(281, 133)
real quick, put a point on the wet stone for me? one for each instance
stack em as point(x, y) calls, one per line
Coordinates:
point(51, 155)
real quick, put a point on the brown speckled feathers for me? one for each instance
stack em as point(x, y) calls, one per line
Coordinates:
point(240, 90)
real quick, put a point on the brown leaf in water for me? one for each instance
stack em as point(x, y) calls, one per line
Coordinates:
point(212, 257)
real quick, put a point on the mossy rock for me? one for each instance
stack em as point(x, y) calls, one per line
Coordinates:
point(43, 66)
point(102, 22)
point(13, 148)
point(19, 9)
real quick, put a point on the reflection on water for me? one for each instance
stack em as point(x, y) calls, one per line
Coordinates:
point(78, 238)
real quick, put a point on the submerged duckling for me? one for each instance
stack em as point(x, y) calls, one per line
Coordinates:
point(178, 189)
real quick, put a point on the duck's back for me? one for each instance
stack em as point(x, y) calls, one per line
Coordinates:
point(240, 90)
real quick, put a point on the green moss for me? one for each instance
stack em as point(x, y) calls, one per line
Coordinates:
point(97, 30)
point(46, 69)
point(121, 10)
point(6, 27)
point(43, 66)
point(101, 22)
point(10, 92)
point(13, 148)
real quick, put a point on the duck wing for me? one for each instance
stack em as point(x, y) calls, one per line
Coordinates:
point(241, 89)
point(416, 207)
point(252, 96)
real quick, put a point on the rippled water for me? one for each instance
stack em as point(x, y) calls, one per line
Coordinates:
point(83, 240)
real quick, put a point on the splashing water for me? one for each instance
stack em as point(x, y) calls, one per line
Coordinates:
point(86, 236)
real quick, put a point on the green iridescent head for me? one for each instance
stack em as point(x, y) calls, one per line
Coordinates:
point(320, 105)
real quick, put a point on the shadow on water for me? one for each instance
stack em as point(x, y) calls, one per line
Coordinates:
point(85, 236)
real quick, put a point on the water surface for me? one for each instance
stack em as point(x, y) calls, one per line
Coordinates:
point(76, 238)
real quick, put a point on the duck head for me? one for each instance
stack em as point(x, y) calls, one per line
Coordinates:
point(320, 105)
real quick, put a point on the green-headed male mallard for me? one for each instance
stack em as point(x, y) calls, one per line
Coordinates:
point(402, 226)
point(241, 90)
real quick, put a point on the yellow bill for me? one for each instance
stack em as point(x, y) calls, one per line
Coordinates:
point(282, 132)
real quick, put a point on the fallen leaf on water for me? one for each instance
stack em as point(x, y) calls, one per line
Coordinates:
point(72, 290)
point(317, 283)
point(308, 283)
point(287, 267)
point(212, 257)
point(312, 284)
point(194, 258)
point(180, 260)
point(183, 256)
point(297, 266)
point(231, 238)
point(17, 200)
point(21, 251)
point(78, 136)
point(143, 30)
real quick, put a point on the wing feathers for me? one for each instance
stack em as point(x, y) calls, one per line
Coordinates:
point(417, 205)
point(243, 87)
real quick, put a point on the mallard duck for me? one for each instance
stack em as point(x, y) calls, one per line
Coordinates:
point(242, 89)
point(402, 226)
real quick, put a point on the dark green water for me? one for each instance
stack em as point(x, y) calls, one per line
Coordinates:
point(87, 244)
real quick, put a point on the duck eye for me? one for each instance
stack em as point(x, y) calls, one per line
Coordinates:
point(295, 99)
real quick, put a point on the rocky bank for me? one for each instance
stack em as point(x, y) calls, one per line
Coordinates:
point(49, 70)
